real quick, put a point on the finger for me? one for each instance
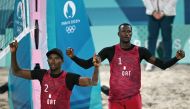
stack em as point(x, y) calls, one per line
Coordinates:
point(98, 58)
point(10, 44)
point(16, 41)
point(95, 58)
point(179, 51)
point(183, 53)
point(69, 49)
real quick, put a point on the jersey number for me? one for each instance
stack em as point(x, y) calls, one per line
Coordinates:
point(119, 59)
point(46, 89)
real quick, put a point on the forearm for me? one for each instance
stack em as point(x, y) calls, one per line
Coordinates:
point(14, 64)
point(85, 81)
point(95, 76)
point(83, 63)
point(164, 65)
point(17, 70)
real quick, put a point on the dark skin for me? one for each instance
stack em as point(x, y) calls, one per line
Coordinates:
point(55, 63)
point(125, 34)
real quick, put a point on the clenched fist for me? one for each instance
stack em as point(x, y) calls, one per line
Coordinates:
point(96, 60)
point(13, 46)
point(70, 52)
point(180, 54)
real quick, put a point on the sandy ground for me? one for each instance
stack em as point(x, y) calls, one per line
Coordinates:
point(161, 89)
point(3, 97)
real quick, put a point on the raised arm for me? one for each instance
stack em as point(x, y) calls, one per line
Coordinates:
point(180, 54)
point(14, 65)
point(84, 81)
point(81, 62)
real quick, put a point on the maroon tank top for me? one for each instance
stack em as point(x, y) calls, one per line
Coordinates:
point(125, 77)
point(54, 93)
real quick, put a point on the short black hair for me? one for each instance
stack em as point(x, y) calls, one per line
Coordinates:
point(55, 51)
point(124, 24)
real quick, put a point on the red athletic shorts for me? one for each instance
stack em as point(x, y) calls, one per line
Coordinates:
point(133, 102)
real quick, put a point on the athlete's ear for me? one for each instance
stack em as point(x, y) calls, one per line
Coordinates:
point(118, 33)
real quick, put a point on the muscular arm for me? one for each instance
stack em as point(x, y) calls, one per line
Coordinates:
point(85, 81)
point(107, 52)
point(73, 79)
point(82, 62)
point(14, 65)
point(162, 64)
point(145, 54)
point(94, 81)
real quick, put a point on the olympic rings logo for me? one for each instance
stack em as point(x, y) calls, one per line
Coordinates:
point(70, 29)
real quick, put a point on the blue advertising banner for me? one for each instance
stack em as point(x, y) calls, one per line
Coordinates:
point(20, 89)
point(72, 30)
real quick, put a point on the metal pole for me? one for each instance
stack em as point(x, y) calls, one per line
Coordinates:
point(36, 31)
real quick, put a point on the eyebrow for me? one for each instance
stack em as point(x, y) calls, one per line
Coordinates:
point(56, 56)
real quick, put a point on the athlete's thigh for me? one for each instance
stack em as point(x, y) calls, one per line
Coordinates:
point(134, 103)
point(115, 105)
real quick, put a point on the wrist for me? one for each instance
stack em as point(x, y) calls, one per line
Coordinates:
point(14, 52)
point(96, 66)
point(178, 58)
point(72, 56)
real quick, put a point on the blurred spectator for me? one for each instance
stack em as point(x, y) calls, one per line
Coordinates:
point(161, 14)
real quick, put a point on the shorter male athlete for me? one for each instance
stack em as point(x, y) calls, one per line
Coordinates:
point(56, 84)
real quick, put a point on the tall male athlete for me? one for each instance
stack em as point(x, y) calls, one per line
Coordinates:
point(56, 84)
point(125, 77)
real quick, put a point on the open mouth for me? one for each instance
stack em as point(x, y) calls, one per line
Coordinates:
point(52, 66)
